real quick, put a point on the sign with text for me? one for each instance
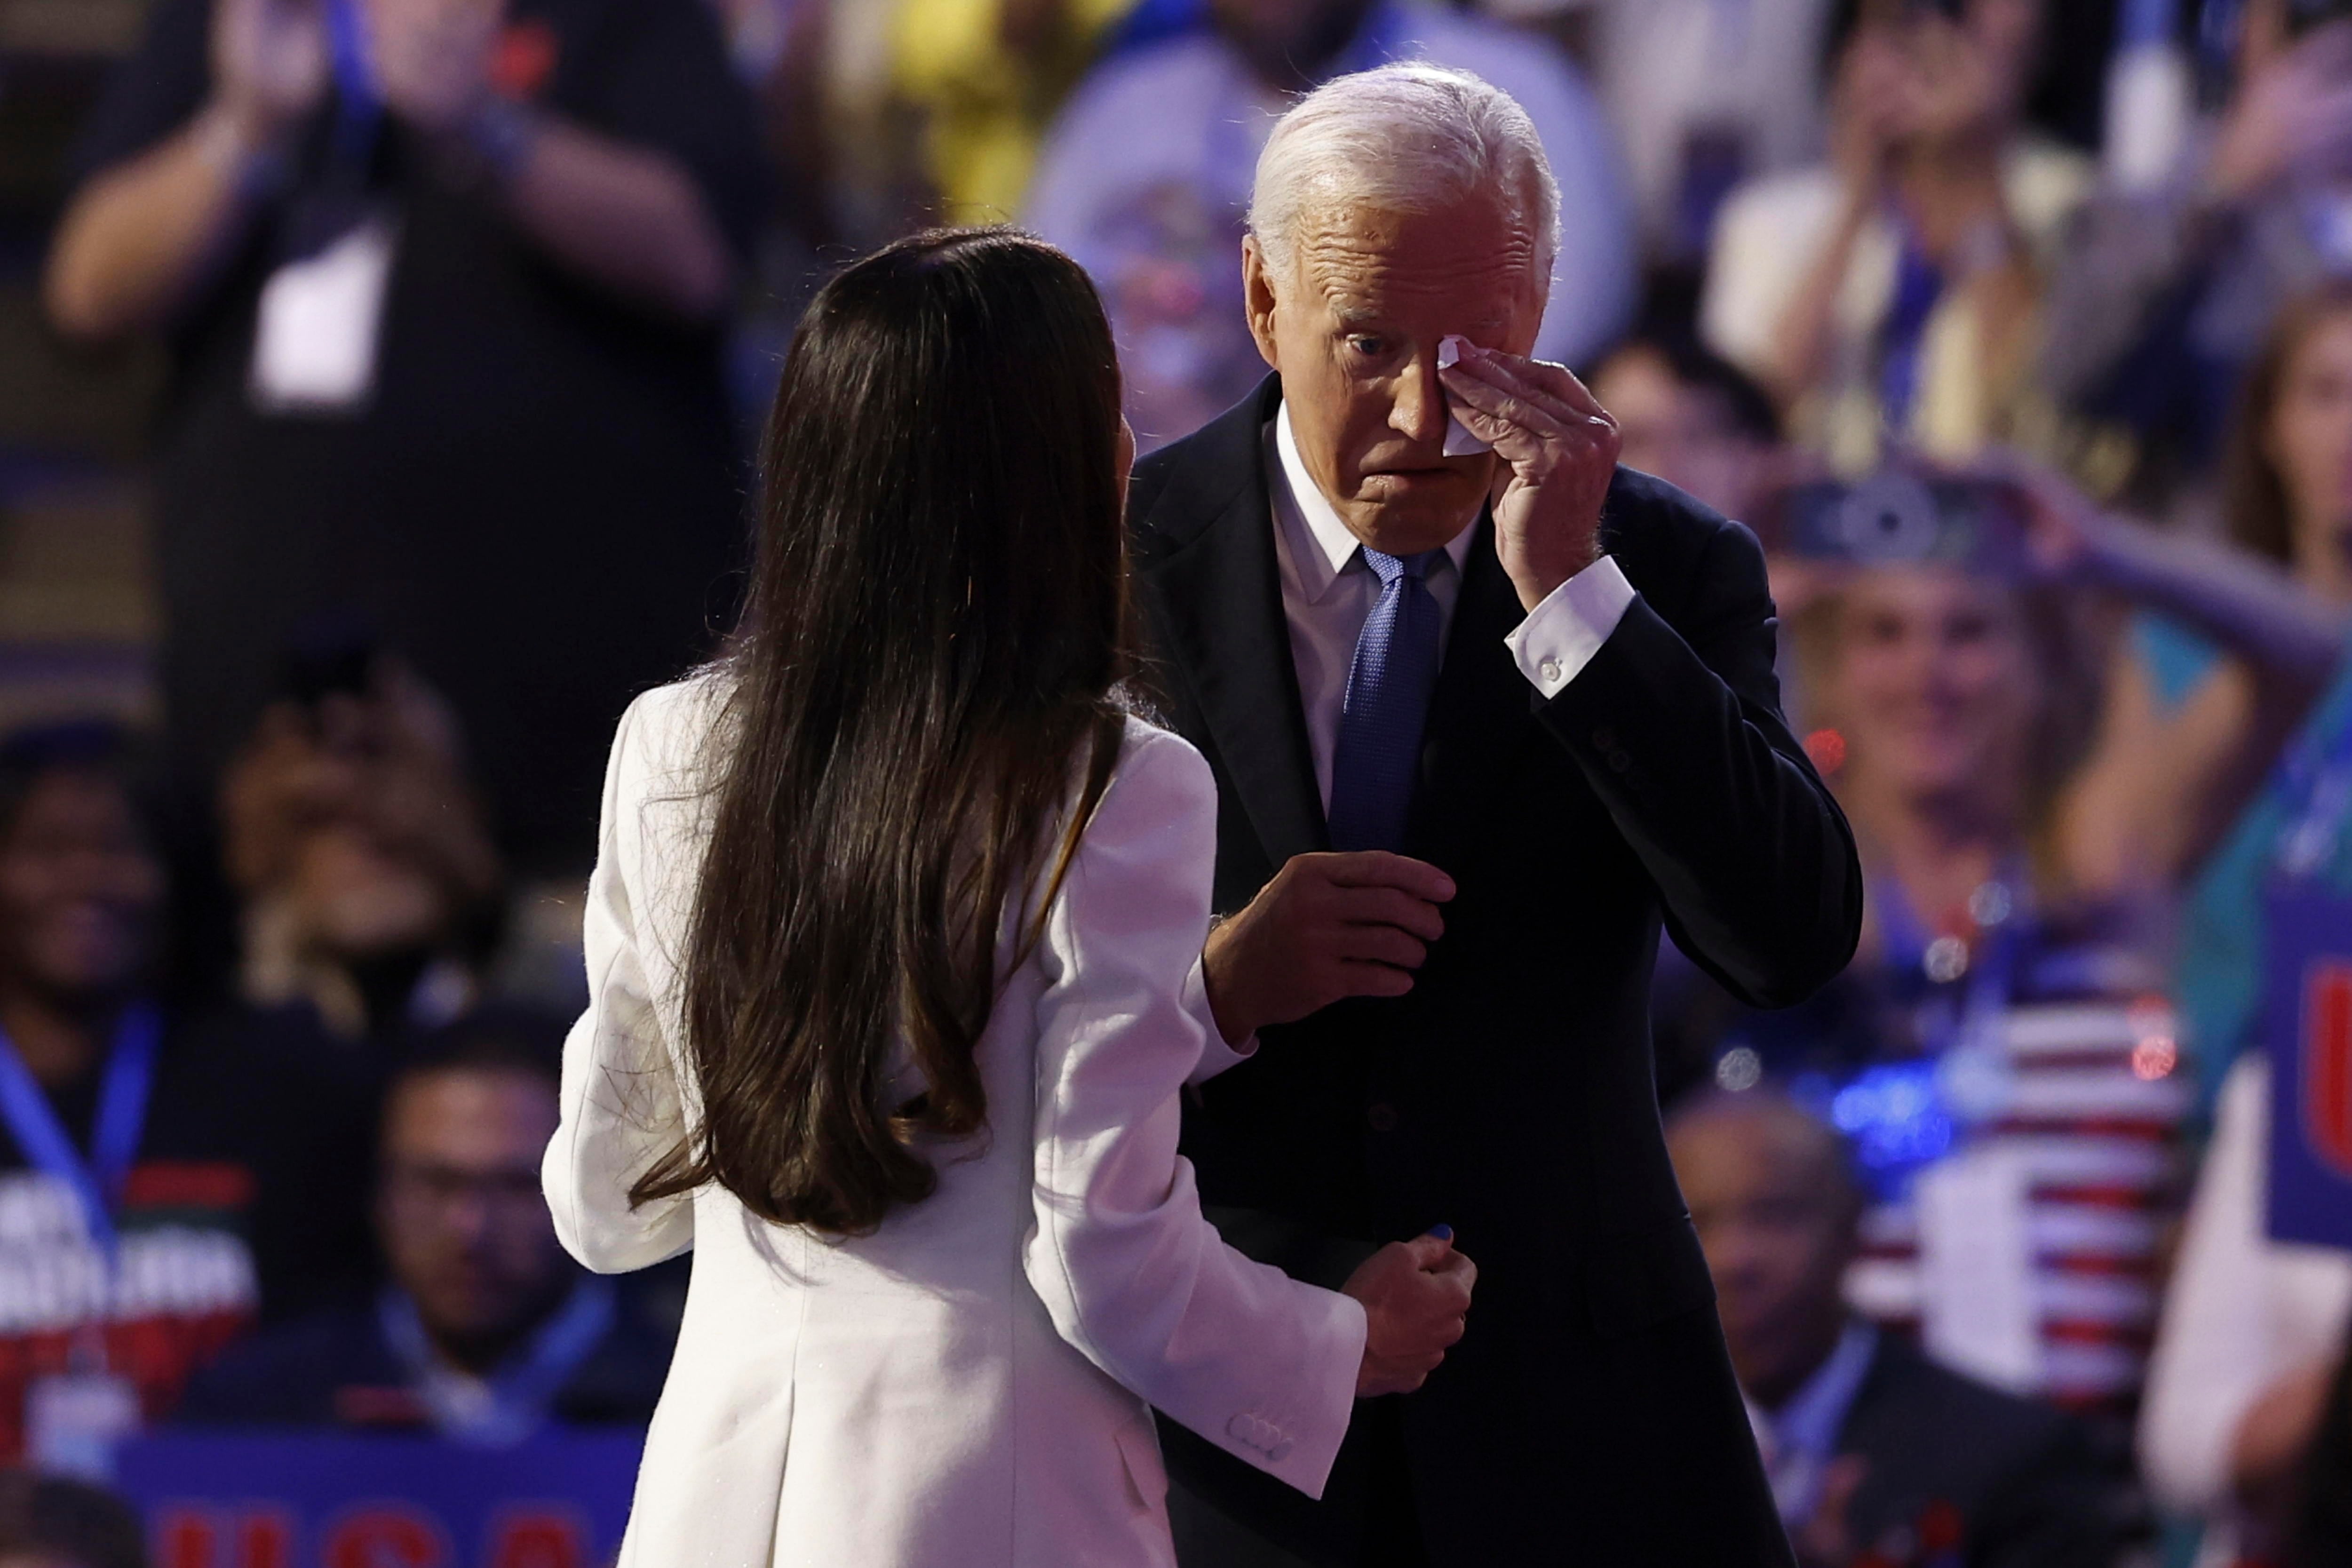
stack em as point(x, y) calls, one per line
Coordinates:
point(332, 1500)
point(2308, 1016)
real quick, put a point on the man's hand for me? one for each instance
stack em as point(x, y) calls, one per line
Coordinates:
point(269, 66)
point(1415, 1294)
point(432, 59)
point(1561, 447)
point(1327, 926)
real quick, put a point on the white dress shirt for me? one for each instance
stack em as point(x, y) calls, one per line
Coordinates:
point(1328, 592)
point(1797, 1440)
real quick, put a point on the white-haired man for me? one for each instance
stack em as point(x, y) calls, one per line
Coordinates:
point(1478, 721)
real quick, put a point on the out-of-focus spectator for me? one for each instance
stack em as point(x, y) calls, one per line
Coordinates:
point(2001, 1050)
point(1704, 94)
point(1692, 419)
point(160, 1184)
point(1894, 290)
point(2161, 298)
point(1146, 179)
point(1875, 1453)
point(485, 1331)
point(2207, 728)
point(51, 1522)
point(2248, 1355)
point(444, 285)
point(356, 841)
point(989, 76)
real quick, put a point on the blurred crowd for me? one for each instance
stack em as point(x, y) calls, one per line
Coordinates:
point(2020, 331)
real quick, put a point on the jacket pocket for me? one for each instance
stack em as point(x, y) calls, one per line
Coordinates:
point(1147, 1476)
point(1638, 1277)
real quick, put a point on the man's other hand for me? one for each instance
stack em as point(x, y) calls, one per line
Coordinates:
point(1328, 927)
point(1416, 1295)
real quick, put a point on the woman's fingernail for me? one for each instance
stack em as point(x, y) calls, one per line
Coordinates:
point(1443, 1232)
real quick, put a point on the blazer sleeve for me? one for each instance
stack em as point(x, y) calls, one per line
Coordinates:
point(621, 1106)
point(1678, 728)
point(1257, 1363)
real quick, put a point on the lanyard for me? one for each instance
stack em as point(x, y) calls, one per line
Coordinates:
point(507, 1406)
point(358, 107)
point(1992, 969)
point(97, 1182)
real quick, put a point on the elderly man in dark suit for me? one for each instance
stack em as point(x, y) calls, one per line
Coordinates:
point(1484, 708)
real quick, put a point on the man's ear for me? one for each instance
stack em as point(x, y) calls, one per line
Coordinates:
point(1257, 301)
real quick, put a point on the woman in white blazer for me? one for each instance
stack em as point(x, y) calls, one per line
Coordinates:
point(893, 950)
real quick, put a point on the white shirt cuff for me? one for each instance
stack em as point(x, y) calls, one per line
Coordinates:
point(1215, 1055)
point(1561, 635)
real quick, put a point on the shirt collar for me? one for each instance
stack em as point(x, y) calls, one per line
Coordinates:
point(1326, 547)
point(1809, 1420)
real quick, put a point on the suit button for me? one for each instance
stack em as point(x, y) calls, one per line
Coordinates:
point(1619, 763)
point(1383, 1117)
point(1605, 740)
point(1279, 1452)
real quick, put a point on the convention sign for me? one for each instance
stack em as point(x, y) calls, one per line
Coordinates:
point(222, 1501)
point(2309, 1021)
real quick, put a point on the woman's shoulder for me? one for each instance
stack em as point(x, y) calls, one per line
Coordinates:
point(1151, 751)
point(663, 734)
point(1158, 784)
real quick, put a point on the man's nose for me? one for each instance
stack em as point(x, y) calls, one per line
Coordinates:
point(1419, 412)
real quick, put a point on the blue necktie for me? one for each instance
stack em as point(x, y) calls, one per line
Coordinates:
point(1378, 749)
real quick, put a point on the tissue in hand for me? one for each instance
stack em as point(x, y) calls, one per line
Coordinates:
point(1459, 442)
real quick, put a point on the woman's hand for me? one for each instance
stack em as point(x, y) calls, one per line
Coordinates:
point(1416, 1295)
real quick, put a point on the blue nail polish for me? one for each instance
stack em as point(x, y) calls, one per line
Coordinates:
point(1443, 1232)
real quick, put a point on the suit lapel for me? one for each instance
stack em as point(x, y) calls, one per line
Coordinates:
point(1478, 710)
point(1223, 599)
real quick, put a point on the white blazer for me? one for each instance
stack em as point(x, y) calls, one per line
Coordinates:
point(970, 1386)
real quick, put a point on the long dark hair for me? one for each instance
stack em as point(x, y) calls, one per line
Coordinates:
point(926, 672)
point(2254, 501)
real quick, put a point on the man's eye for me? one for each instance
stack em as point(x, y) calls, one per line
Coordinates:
point(1365, 346)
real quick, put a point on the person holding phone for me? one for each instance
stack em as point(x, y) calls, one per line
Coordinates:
point(894, 960)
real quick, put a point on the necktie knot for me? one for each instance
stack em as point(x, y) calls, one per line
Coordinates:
point(1388, 568)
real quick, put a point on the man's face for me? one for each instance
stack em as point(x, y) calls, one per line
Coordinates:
point(465, 1229)
point(1776, 1222)
point(1353, 330)
point(80, 890)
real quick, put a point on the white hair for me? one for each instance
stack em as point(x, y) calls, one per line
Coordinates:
point(1408, 137)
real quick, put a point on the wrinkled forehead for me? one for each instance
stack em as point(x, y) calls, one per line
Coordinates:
point(1474, 260)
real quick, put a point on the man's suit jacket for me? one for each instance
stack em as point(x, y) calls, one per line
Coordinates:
point(2019, 1480)
point(1510, 1094)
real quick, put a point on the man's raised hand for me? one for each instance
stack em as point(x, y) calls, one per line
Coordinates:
point(1328, 926)
point(1416, 1297)
point(1560, 446)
